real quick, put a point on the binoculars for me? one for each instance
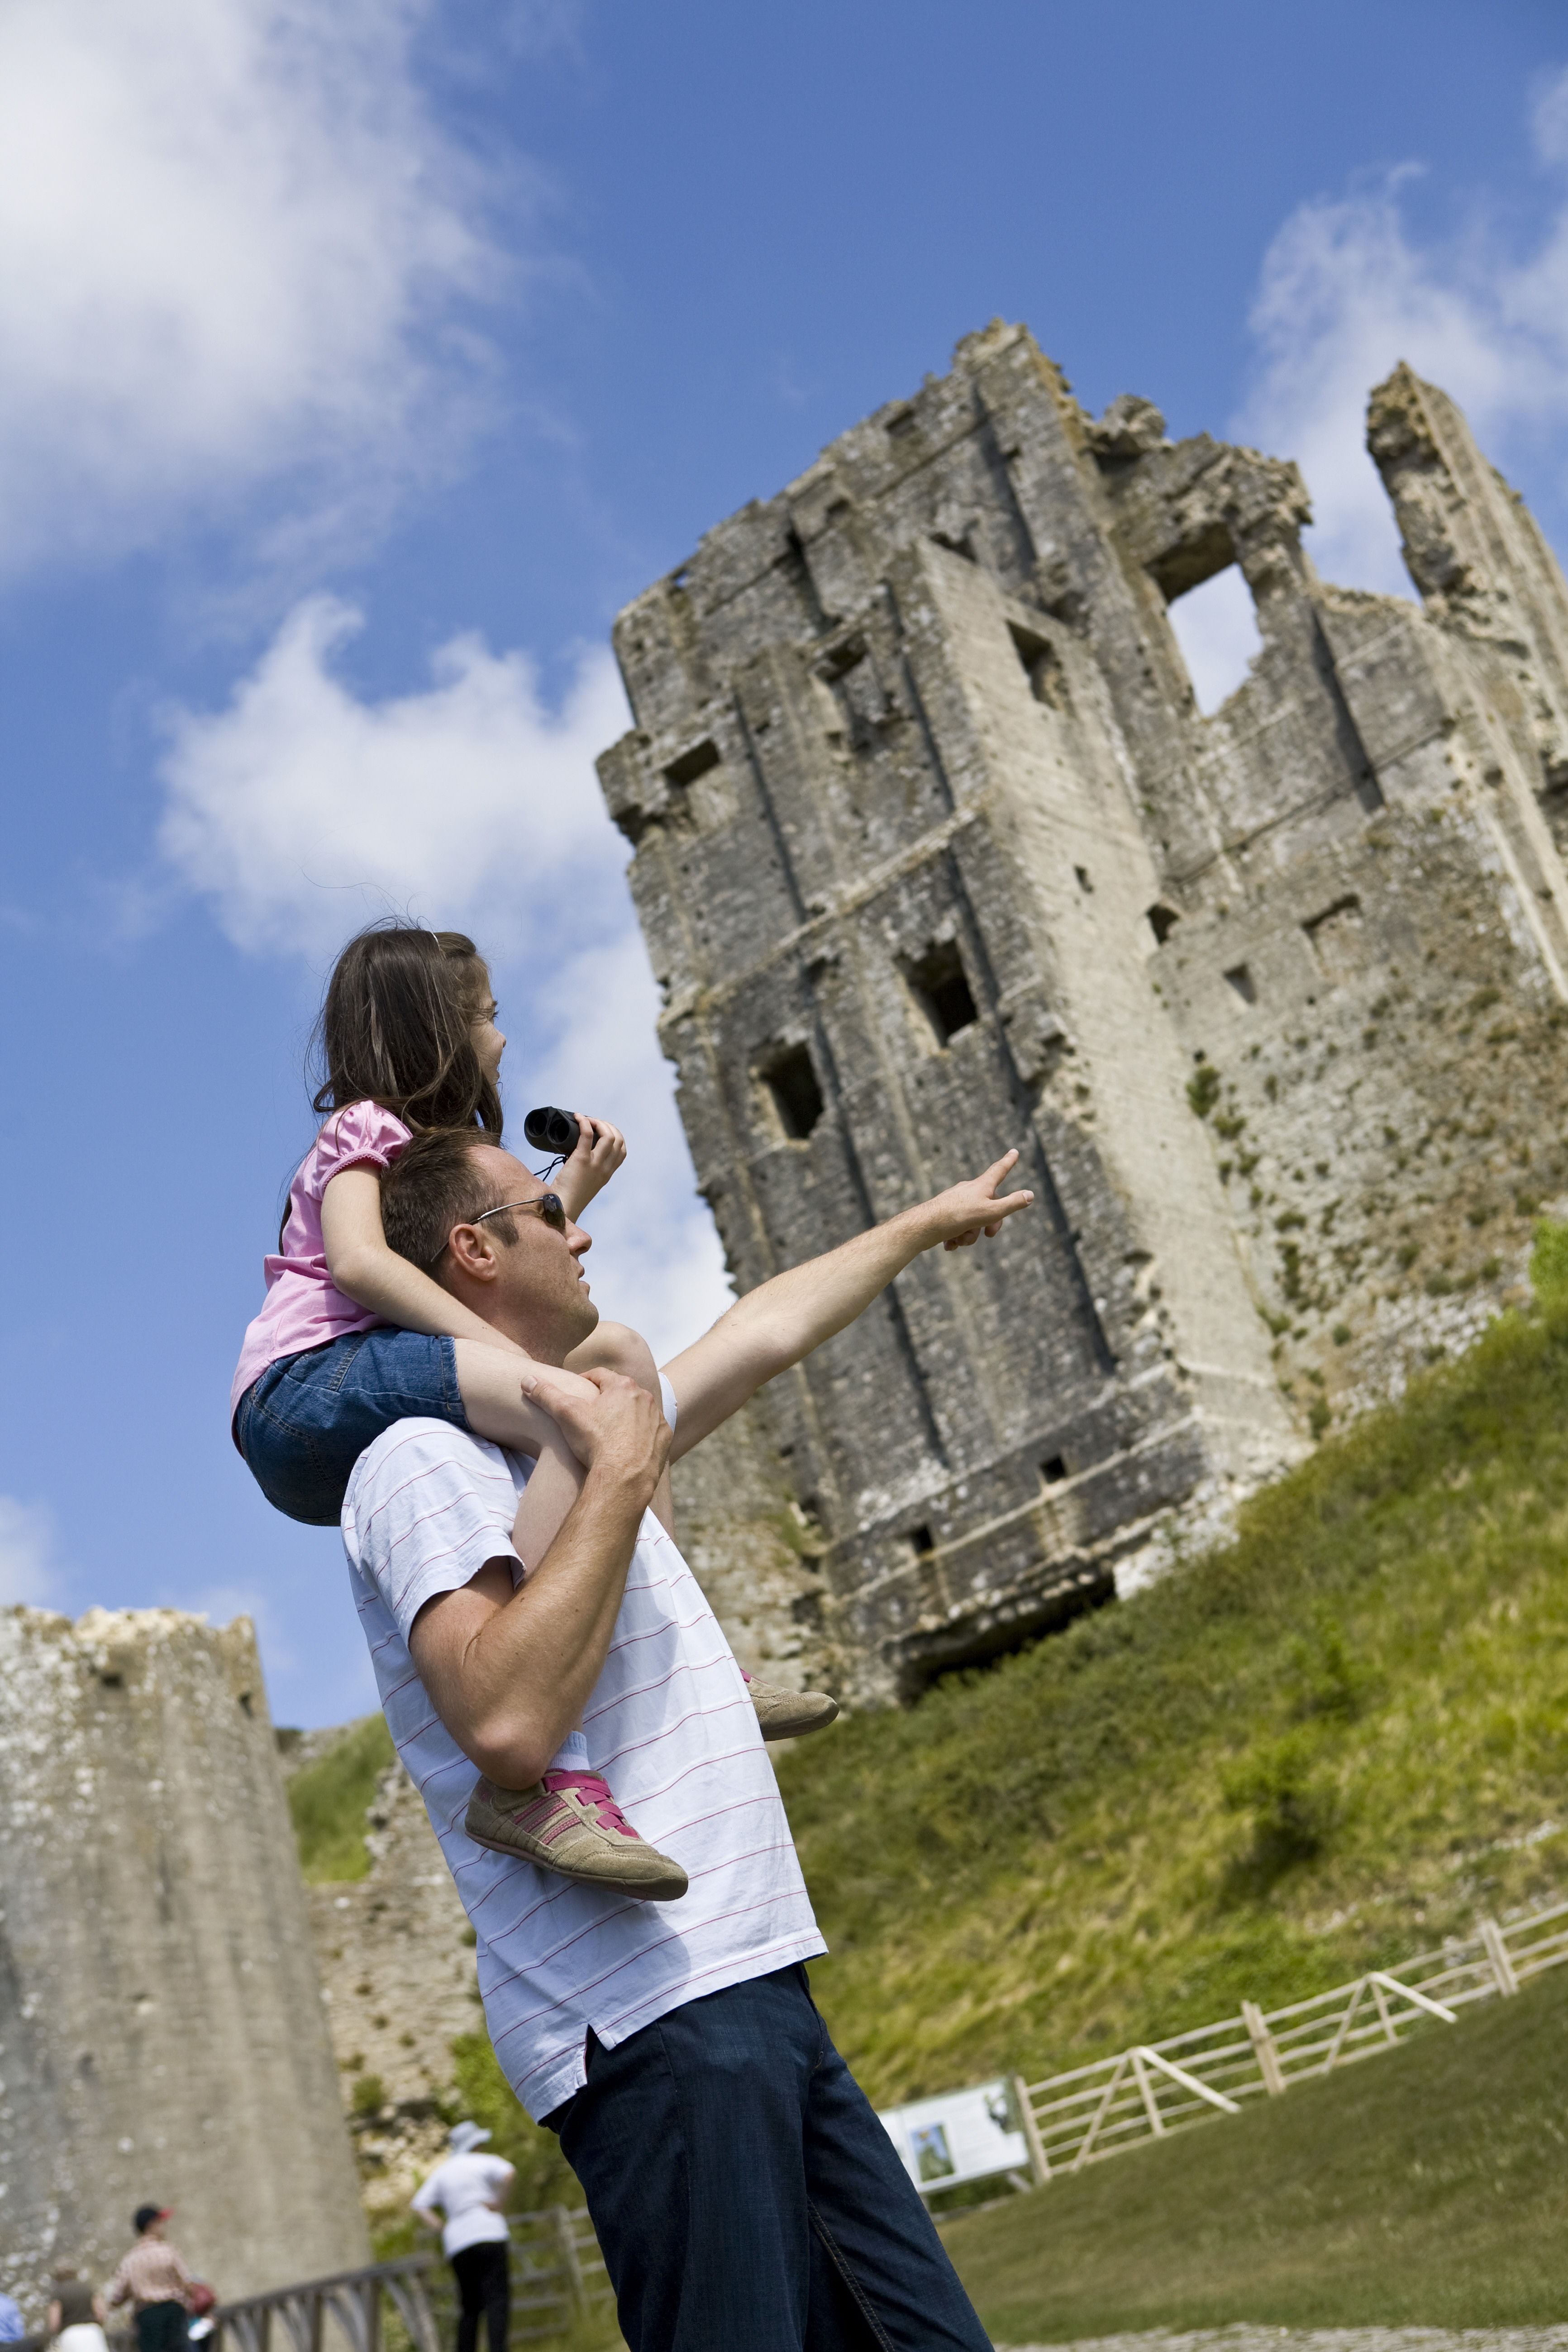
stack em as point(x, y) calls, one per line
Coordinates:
point(552, 1130)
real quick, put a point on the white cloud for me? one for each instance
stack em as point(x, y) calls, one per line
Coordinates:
point(27, 1552)
point(230, 241)
point(1348, 290)
point(303, 810)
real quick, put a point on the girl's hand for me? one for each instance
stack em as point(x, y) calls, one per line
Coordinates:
point(601, 1148)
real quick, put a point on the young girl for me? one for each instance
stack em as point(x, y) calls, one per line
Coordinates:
point(351, 1338)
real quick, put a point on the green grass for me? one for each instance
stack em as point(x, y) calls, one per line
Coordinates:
point(328, 1802)
point(1422, 2187)
point(1315, 1751)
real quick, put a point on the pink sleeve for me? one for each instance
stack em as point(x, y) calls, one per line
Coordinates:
point(362, 1135)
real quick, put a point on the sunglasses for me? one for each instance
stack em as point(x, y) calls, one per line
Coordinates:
point(549, 1205)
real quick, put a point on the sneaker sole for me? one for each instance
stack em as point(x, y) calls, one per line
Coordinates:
point(658, 1891)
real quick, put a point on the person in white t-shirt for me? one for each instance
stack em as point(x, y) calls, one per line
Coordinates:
point(743, 2191)
point(471, 2190)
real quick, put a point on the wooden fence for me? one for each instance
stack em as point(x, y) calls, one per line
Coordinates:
point(1093, 2112)
point(558, 2278)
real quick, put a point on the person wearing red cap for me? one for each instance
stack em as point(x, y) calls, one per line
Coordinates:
point(154, 2278)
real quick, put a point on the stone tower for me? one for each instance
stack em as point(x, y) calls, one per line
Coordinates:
point(160, 2011)
point(934, 852)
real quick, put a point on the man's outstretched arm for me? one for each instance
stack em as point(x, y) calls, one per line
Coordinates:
point(777, 1323)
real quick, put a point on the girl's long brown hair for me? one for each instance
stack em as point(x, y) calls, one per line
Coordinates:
point(394, 1029)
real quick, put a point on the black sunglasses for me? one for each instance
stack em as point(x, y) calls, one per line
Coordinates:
point(549, 1205)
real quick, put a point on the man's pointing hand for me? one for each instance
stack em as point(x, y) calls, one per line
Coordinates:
point(962, 1215)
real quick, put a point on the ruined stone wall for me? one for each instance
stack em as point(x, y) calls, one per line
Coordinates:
point(935, 852)
point(161, 2017)
point(395, 1955)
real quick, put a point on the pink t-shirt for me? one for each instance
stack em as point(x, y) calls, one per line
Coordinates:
point(303, 1307)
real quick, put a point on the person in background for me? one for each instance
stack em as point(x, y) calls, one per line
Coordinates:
point(76, 2314)
point(471, 2190)
point(12, 2326)
point(154, 2279)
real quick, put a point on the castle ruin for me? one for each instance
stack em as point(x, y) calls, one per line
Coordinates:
point(934, 852)
point(161, 2032)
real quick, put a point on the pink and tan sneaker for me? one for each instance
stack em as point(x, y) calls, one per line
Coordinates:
point(787, 1714)
point(569, 1823)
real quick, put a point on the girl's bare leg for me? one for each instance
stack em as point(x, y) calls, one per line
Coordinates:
point(490, 1380)
point(616, 1347)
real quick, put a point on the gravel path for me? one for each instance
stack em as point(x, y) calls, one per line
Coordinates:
point(1245, 2338)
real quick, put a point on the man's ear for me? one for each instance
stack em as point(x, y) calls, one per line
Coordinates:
point(472, 1253)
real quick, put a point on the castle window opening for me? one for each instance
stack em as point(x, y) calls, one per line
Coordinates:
point(939, 986)
point(1053, 1470)
point(1163, 922)
point(1042, 665)
point(693, 764)
point(1084, 883)
point(1215, 622)
point(792, 1083)
point(1336, 938)
point(920, 1542)
point(1241, 980)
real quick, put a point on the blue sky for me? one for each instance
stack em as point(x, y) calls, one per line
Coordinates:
point(355, 372)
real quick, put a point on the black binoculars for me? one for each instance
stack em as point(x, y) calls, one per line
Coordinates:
point(552, 1130)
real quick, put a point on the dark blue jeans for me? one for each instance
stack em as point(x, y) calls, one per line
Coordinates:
point(305, 1422)
point(745, 2196)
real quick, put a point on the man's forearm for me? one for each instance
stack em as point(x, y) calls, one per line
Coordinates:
point(783, 1320)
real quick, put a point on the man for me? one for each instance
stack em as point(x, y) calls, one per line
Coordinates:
point(154, 2279)
point(745, 2197)
point(471, 2190)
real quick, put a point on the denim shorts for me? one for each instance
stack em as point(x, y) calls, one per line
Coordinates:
point(305, 1422)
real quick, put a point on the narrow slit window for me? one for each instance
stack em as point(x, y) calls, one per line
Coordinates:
point(1163, 922)
point(1241, 980)
point(920, 1542)
point(792, 1082)
point(1053, 1470)
point(1042, 665)
point(941, 988)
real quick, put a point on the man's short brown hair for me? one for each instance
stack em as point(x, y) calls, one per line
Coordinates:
point(439, 1181)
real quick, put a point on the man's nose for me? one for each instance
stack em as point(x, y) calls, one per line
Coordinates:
point(577, 1241)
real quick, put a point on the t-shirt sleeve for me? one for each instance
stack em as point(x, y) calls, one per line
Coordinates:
point(671, 1402)
point(427, 2196)
point(430, 1504)
point(362, 1135)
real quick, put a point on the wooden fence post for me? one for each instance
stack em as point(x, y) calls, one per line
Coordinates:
point(1039, 2162)
point(1499, 1955)
point(566, 2253)
point(1264, 2048)
point(1146, 2089)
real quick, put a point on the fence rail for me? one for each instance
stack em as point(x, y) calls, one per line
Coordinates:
point(558, 2277)
point(1097, 2111)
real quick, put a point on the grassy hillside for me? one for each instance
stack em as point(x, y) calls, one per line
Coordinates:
point(327, 1800)
point(1423, 2188)
point(1315, 1751)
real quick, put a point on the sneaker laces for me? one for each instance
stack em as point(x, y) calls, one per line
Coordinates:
point(596, 1789)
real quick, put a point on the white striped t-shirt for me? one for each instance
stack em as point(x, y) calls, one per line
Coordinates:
point(669, 1724)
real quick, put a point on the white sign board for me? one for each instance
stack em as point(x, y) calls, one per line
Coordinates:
point(964, 2135)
